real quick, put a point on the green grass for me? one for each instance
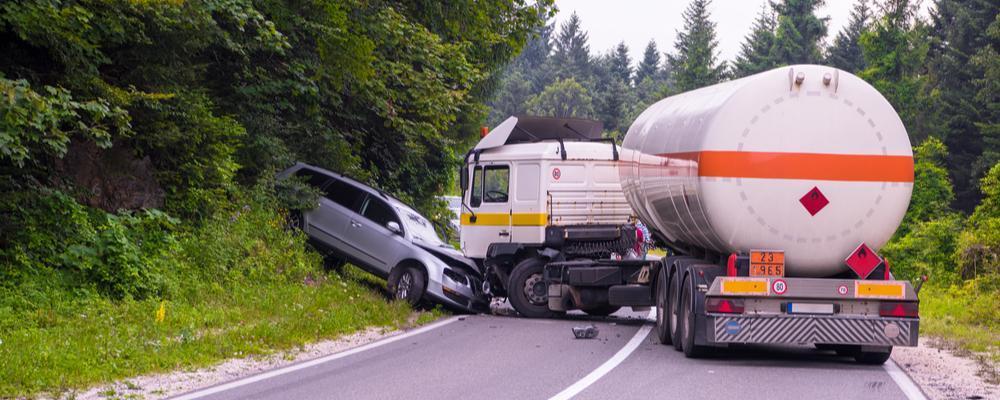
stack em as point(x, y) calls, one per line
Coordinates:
point(967, 320)
point(89, 342)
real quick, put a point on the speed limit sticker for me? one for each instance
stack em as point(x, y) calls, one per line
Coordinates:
point(778, 286)
point(842, 289)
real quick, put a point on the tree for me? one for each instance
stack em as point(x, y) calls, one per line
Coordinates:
point(932, 189)
point(694, 64)
point(846, 51)
point(755, 51)
point(959, 31)
point(572, 54)
point(649, 64)
point(799, 33)
point(621, 63)
point(563, 98)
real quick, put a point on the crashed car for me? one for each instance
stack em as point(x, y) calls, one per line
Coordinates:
point(380, 234)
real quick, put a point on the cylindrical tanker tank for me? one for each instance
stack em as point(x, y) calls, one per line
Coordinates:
point(806, 159)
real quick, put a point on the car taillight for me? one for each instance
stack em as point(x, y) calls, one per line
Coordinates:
point(899, 309)
point(724, 306)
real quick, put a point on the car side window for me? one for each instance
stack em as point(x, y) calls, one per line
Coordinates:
point(496, 180)
point(345, 194)
point(476, 197)
point(379, 212)
point(313, 178)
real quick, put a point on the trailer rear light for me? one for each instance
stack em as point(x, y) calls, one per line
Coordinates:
point(909, 309)
point(731, 265)
point(725, 306)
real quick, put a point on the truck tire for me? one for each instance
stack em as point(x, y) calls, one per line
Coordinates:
point(871, 357)
point(602, 311)
point(662, 307)
point(527, 291)
point(674, 309)
point(407, 283)
point(687, 324)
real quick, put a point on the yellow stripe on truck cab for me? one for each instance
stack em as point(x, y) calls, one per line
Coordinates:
point(504, 219)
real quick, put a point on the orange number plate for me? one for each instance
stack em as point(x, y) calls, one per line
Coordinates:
point(767, 263)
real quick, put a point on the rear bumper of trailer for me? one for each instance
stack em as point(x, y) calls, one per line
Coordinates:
point(787, 329)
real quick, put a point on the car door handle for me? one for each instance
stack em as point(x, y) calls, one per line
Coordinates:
point(355, 224)
point(504, 233)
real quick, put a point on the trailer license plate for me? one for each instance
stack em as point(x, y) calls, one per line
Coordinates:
point(767, 263)
point(810, 308)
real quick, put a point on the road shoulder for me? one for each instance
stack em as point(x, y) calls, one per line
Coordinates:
point(942, 374)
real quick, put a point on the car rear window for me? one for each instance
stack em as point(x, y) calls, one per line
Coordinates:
point(345, 194)
point(313, 178)
point(379, 212)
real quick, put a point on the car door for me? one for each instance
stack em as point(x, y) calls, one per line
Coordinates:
point(490, 220)
point(340, 201)
point(379, 247)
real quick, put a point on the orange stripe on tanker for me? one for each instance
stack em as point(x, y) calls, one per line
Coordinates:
point(812, 166)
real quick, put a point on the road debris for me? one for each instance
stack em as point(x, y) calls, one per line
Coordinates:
point(585, 332)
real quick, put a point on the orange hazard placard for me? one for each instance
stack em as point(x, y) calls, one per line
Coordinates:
point(767, 263)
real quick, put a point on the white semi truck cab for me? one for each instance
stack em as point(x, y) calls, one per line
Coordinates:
point(772, 192)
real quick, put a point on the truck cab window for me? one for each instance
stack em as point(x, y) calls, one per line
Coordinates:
point(476, 197)
point(496, 180)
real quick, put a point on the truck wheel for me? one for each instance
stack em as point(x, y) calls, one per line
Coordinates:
point(674, 310)
point(662, 307)
point(527, 290)
point(871, 357)
point(688, 321)
point(407, 283)
point(602, 311)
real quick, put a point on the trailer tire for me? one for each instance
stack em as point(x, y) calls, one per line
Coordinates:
point(662, 307)
point(688, 322)
point(871, 357)
point(525, 273)
point(602, 311)
point(674, 307)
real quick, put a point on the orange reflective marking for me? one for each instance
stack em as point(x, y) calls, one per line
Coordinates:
point(813, 166)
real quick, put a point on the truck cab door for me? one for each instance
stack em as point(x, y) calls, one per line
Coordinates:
point(489, 199)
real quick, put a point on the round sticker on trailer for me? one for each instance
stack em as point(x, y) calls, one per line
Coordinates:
point(842, 289)
point(556, 173)
point(779, 286)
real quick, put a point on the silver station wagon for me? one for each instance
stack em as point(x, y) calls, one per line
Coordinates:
point(377, 232)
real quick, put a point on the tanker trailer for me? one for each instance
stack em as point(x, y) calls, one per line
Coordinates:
point(774, 193)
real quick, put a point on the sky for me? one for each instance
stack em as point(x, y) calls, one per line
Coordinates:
point(637, 21)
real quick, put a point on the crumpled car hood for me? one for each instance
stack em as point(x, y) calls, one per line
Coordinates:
point(452, 257)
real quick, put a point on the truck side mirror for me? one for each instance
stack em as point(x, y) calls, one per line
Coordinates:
point(463, 177)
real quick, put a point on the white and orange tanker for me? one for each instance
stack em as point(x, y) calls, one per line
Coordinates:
point(773, 193)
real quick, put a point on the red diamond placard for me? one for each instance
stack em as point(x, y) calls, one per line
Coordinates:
point(814, 201)
point(863, 261)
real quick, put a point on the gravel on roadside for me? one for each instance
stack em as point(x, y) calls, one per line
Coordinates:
point(943, 375)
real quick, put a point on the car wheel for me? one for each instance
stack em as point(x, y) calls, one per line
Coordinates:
point(872, 358)
point(602, 311)
point(527, 290)
point(688, 327)
point(294, 220)
point(333, 263)
point(674, 307)
point(407, 283)
point(662, 307)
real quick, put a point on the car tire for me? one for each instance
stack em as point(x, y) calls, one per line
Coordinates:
point(674, 305)
point(523, 291)
point(602, 311)
point(295, 221)
point(688, 323)
point(872, 358)
point(662, 307)
point(407, 283)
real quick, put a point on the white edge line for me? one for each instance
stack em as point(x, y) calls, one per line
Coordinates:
point(311, 363)
point(609, 365)
point(909, 388)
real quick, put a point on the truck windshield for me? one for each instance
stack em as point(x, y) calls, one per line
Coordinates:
point(419, 227)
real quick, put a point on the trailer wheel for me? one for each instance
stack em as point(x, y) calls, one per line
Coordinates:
point(687, 324)
point(871, 357)
point(527, 291)
point(674, 313)
point(662, 307)
point(602, 311)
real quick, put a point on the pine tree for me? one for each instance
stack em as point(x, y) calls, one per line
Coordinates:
point(755, 51)
point(799, 33)
point(694, 65)
point(649, 65)
point(572, 53)
point(846, 52)
point(621, 63)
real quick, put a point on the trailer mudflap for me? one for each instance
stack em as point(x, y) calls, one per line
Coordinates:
point(799, 329)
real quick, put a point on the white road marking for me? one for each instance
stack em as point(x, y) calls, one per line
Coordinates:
point(311, 363)
point(609, 365)
point(909, 388)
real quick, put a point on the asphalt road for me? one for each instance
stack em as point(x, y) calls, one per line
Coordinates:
point(489, 357)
